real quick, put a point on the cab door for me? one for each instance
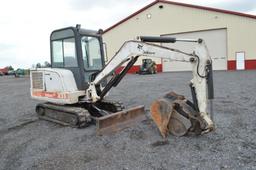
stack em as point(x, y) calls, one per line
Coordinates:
point(64, 56)
point(92, 55)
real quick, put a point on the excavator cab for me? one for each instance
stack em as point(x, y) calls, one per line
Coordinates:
point(77, 57)
point(78, 50)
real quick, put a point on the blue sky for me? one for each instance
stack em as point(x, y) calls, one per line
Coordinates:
point(27, 24)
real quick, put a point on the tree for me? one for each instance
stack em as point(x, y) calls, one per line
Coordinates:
point(47, 64)
point(10, 68)
point(44, 65)
point(38, 65)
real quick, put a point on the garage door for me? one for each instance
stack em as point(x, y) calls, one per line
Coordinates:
point(216, 41)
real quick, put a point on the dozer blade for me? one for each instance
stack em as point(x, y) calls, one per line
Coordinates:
point(119, 120)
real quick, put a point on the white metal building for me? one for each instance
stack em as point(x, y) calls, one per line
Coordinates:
point(230, 36)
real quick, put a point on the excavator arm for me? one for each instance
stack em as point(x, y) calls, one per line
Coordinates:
point(131, 50)
point(201, 83)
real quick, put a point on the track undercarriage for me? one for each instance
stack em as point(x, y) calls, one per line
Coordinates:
point(109, 116)
point(172, 114)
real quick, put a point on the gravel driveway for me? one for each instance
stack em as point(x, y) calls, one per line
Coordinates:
point(29, 143)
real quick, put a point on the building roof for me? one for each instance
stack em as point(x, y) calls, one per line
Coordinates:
point(180, 4)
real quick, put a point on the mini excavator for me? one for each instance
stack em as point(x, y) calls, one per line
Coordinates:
point(74, 88)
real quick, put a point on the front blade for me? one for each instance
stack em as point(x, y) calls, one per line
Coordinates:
point(119, 120)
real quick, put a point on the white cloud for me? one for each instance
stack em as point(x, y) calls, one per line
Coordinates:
point(26, 25)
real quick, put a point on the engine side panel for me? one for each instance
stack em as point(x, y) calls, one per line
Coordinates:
point(54, 85)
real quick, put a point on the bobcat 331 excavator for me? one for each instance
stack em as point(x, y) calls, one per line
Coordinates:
point(77, 82)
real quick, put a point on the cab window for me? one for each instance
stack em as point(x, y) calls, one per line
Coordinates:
point(91, 53)
point(64, 53)
point(57, 53)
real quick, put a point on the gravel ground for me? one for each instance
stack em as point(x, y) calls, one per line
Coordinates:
point(29, 143)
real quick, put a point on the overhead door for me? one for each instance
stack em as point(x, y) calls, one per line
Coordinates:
point(216, 41)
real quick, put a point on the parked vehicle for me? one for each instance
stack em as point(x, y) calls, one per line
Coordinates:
point(148, 67)
point(4, 71)
point(11, 72)
point(20, 73)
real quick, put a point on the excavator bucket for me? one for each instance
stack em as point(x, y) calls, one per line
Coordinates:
point(119, 120)
point(161, 111)
point(174, 114)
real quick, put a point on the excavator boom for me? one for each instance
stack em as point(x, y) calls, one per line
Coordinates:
point(185, 115)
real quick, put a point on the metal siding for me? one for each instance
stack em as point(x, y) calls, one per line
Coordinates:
point(216, 43)
point(176, 19)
